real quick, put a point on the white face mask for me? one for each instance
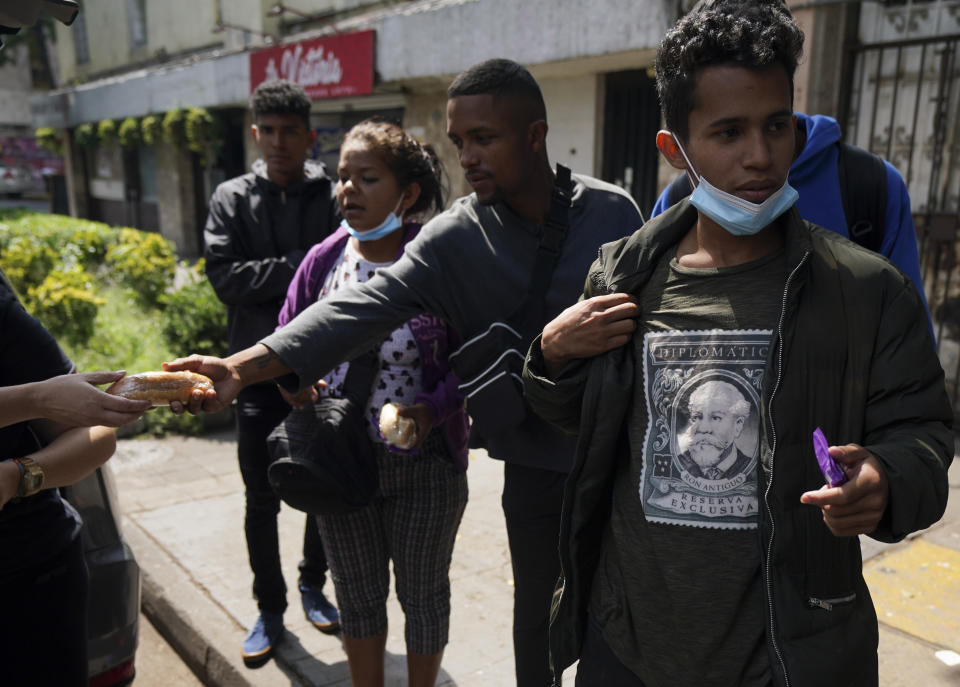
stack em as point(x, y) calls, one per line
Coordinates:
point(738, 216)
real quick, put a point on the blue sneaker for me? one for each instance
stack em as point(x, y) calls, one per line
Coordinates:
point(323, 614)
point(266, 632)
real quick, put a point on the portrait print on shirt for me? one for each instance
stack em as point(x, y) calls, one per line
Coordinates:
point(702, 443)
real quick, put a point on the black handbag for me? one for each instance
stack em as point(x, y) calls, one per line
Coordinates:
point(323, 460)
point(489, 364)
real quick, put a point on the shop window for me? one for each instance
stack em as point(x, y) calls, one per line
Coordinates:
point(80, 39)
point(148, 175)
point(137, 22)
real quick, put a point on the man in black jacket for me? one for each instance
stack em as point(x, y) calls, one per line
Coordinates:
point(731, 298)
point(259, 228)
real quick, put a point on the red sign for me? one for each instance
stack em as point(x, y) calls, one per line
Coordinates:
point(328, 67)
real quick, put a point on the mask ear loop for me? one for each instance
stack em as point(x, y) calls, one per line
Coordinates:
point(397, 207)
point(691, 174)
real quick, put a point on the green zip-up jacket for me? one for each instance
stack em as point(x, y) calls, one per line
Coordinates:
point(851, 354)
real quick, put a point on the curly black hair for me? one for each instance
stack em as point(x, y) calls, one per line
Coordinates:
point(280, 97)
point(748, 33)
point(408, 159)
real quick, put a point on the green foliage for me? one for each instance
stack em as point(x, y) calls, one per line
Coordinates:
point(80, 281)
point(174, 124)
point(85, 242)
point(129, 133)
point(128, 337)
point(106, 130)
point(202, 131)
point(66, 303)
point(26, 260)
point(151, 129)
point(85, 135)
point(49, 138)
point(71, 241)
point(194, 313)
point(144, 262)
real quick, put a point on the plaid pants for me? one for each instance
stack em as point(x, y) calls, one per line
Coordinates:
point(413, 520)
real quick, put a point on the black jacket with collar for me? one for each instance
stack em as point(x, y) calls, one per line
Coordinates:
point(256, 235)
point(851, 354)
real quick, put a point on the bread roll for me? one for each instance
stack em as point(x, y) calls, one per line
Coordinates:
point(398, 431)
point(161, 387)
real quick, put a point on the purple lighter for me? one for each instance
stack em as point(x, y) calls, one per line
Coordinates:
point(832, 472)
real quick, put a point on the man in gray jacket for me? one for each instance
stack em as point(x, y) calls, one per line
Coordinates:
point(751, 577)
point(259, 228)
point(472, 266)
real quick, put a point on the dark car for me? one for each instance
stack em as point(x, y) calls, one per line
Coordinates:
point(114, 587)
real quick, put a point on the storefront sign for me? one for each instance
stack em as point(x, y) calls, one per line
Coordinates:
point(329, 67)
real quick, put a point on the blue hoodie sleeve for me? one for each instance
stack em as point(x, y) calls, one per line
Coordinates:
point(662, 203)
point(899, 235)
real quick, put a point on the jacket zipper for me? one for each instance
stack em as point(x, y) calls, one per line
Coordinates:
point(828, 604)
point(773, 453)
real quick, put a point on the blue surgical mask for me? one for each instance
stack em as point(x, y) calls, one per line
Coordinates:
point(389, 225)
point(738, 216)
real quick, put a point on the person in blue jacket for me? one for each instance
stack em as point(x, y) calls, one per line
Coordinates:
point(815, 176)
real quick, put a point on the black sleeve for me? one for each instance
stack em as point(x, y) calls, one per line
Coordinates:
point(237, 278)
point(28, 352)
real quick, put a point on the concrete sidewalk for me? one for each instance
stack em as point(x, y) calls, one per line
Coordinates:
point(182, 500)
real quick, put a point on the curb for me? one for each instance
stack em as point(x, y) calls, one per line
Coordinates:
point(202, 633)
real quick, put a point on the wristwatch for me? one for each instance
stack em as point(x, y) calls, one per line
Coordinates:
point(31, 477)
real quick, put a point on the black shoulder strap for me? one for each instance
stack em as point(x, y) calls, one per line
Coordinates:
point(551, 243)
point(678, 189)
point(360, 375)
point(863, 190)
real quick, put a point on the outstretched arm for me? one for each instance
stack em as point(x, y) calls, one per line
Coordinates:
point(71, 399)
point(229, 376)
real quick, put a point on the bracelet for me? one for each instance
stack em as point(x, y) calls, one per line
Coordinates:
point(16, 497)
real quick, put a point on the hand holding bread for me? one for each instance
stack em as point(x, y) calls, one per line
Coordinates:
point(161, 388)
point(71, 400)
point(406, 426)
point(398, 431)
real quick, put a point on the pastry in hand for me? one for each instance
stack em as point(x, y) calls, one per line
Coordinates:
point(160, 388)
point(398, 431)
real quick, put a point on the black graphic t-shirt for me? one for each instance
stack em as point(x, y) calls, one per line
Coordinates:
point(678, 591)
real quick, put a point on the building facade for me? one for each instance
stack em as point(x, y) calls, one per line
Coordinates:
point(130, 59)
point(888, 71)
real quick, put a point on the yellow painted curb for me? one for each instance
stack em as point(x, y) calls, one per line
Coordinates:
point(917, 590)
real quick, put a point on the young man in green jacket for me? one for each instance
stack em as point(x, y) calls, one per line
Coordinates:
point(729, 323)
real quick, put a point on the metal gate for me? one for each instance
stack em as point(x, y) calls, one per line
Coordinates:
point(905, 106)
point(631, 120)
